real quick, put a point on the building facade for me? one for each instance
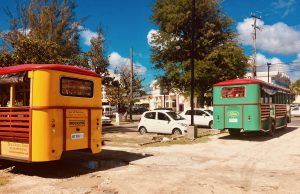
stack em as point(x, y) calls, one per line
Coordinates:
point(174, 100)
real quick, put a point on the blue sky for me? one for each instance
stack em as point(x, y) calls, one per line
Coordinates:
point(127, 24)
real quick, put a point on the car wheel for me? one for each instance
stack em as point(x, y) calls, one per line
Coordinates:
point(211, 125)
point(176, 132)
point(143, 130)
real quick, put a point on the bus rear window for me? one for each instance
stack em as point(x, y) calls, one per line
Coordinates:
point(76, 87)
point(233, 92)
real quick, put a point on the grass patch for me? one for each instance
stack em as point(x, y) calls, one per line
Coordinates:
point(3, 180)
point(179, 141)
point(156, 140)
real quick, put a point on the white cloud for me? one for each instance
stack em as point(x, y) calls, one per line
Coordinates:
point(87, 35)
point(116, 60)
point(277, 65)
point(150, 35)
point(278, 38)
point(286, 5)
point(261, 60)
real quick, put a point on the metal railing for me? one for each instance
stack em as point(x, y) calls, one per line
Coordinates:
point(15, 123)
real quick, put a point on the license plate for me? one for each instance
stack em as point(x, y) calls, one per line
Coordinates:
point(233, 120)
point(77, 135)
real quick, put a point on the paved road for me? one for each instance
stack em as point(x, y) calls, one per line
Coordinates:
point(295, 121)
point(132, 127)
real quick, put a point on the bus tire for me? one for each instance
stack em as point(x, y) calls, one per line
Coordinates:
point(234, 132)
point(143, 130)
point(271, 131)
point(286, 120)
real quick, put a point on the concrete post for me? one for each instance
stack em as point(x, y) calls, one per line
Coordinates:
point(117, 119)
point(192, 132)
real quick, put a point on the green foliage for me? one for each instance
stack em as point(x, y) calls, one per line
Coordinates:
point(295, 87)
point(45, 32)
point(97, 61)
point(118, 90)
point(217, 54)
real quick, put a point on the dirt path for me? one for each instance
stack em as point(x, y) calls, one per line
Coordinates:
point(249, 164)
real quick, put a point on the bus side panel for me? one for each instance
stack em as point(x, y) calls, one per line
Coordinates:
point(96, 131)
point(251, 118)
point(47, 135)
point(219, 117)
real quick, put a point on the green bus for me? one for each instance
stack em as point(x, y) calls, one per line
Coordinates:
point(242, 105)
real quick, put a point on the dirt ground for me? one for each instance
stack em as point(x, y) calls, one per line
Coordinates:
point(252, 163)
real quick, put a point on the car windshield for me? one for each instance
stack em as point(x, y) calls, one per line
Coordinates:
point(175, 116)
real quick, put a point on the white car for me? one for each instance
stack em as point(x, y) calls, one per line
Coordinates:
point(295, 111)
point(105, 120)
point(162, 121)
point(202, 117)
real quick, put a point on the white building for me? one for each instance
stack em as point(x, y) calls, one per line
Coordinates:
point(174, 100)
point(297, 100)
point(275, 77)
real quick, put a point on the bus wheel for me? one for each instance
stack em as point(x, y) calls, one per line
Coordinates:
point(234, 132)
point(271, 131)
point(286, 122)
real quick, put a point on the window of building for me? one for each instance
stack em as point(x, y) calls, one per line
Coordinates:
point(233, 92)
point(76, 87)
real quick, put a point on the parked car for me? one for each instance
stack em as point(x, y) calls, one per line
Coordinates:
point(164, 109)
point(105, 120)
point(162, 121)
point(202, 117)
point(295, 111)
point(107, 110)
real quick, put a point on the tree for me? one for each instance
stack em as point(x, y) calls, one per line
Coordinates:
point(295, 87)
point(217, 54)
point(118, 91)
point(46, 31)
point(42, 32)
point(96, 58)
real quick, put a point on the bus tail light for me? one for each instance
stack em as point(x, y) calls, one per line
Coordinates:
point(53, 126)
point(98, 124)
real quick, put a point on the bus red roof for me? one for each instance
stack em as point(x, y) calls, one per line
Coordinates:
point(249, 81)
point(58, 67)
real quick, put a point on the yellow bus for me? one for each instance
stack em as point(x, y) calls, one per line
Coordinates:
point(47, 109)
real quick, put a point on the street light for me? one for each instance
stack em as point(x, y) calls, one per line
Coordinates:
point(269, 64)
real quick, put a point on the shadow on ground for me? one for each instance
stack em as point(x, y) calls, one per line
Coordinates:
point(74, 164)
point(259, 136)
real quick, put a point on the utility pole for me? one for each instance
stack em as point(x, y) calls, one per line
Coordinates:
point(131, 83)
point(269, 64)
point(254, 42)
point(192, 129)
point(193, 62)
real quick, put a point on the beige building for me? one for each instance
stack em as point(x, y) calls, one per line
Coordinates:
point(174, 100)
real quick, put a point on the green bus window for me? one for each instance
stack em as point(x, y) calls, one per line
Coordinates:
point(233, 92)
